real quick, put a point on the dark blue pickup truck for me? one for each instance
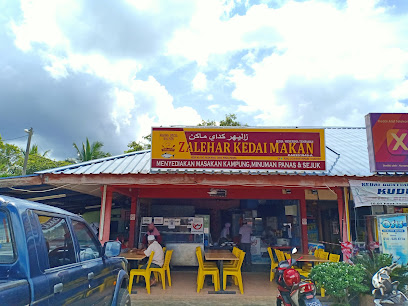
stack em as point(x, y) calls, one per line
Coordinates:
point(49, 256)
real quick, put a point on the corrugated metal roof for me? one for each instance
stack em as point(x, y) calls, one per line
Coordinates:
point(346, 155)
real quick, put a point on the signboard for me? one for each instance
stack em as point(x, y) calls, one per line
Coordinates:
point(147, 220)
point(366, 193)
point(394, 237)
point(197, 226)
point(158, 220)
point(239, 148)
point(387, 136)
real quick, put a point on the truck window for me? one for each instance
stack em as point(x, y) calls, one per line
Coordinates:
point(7, 253)
point(58, 241)
point(90, 248)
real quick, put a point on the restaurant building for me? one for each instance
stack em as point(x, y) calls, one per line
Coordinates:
point(305, 201)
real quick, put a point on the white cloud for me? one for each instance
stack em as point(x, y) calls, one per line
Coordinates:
point(200, 82)
point(210, 97)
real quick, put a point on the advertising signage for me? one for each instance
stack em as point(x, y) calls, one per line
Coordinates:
point(387, 142)
point(238, 148)
point(370, 193)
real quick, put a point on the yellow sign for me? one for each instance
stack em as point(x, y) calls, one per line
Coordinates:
point(238, 148)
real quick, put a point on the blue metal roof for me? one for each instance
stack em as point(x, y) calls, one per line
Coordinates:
point(346, 155)
point(22, 205)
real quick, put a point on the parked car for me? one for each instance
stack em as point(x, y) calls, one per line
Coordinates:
point(49, 256)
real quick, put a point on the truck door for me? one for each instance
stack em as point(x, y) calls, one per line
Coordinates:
point(66, 277)
point(101, 279)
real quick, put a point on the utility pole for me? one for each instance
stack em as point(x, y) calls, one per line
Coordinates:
point(30, 133)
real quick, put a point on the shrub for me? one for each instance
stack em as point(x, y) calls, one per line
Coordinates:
point(341, 280)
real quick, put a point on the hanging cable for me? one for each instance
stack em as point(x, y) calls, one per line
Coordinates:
point(39, 191)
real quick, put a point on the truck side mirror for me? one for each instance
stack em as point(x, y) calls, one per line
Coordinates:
point(111, 248)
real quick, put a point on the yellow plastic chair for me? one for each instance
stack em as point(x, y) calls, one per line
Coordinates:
point(279, 255)
point(164, 249)
point(235, 273)
point(274, 264)
point(166, 268)
point(206, 263)
point(233, 263)
point(203, 271)
point(142, 272)
point(324, 255)
point(317, 252)
point(334, 258)
point(287, 256)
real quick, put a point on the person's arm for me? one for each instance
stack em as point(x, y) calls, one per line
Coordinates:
point(148, 251)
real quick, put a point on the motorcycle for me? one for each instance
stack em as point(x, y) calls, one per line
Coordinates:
point(292, 289)
point(386, 291)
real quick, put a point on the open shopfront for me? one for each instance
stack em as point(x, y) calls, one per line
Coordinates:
point(274, 223)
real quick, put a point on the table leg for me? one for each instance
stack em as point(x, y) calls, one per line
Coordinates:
point(221, 291)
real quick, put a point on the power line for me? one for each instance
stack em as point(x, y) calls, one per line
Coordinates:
point(14, 138)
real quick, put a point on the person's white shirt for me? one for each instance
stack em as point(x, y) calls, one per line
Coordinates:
point(158, 257)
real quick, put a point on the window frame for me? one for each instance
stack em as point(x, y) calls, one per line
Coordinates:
point(68, 223)
point(11, 233)
point(76, 240)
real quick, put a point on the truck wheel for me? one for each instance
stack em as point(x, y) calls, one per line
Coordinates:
point(278, 302)
point(123, 297)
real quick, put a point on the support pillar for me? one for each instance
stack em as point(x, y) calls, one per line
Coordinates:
point(342, 215)
point(303, 224)
point(106, 211)
point(132, 226)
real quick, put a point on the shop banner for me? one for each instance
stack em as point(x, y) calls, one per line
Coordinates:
point(240, 148)
point(366, 193)
point(387, 136)
point(394, 237)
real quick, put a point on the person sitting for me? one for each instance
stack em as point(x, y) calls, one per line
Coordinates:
point(158, 257)
point(152, 230)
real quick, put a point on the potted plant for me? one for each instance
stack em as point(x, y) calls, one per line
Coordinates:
point(343, 282)
point(372, 262)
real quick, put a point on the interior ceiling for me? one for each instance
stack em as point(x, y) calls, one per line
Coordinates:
point(74, 198)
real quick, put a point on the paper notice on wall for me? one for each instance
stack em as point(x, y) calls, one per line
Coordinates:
point(172, 223)
point(197, 226)
point(177, 222)
point(146, 220)
point(166, 221)
point(206, 230)
point(190, 221)
point(158, 220)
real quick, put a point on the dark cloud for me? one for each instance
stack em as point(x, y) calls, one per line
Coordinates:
point(60, 111)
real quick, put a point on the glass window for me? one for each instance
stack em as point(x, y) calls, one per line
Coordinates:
point(90, 248)
point(58, 241)
point(7, 253)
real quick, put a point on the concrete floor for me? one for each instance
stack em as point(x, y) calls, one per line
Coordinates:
point(257, 291)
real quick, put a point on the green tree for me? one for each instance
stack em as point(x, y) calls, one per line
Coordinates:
point(230, 120)
point(38, 162)
point(90, 152)
point(9, 156)
point(140, 145)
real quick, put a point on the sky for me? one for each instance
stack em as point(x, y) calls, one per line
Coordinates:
point(110, 70)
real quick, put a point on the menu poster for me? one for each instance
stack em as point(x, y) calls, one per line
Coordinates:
point(166, 221)
point(158, 220)
point(177, 222)
point(146, 220)
point(394, 237)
